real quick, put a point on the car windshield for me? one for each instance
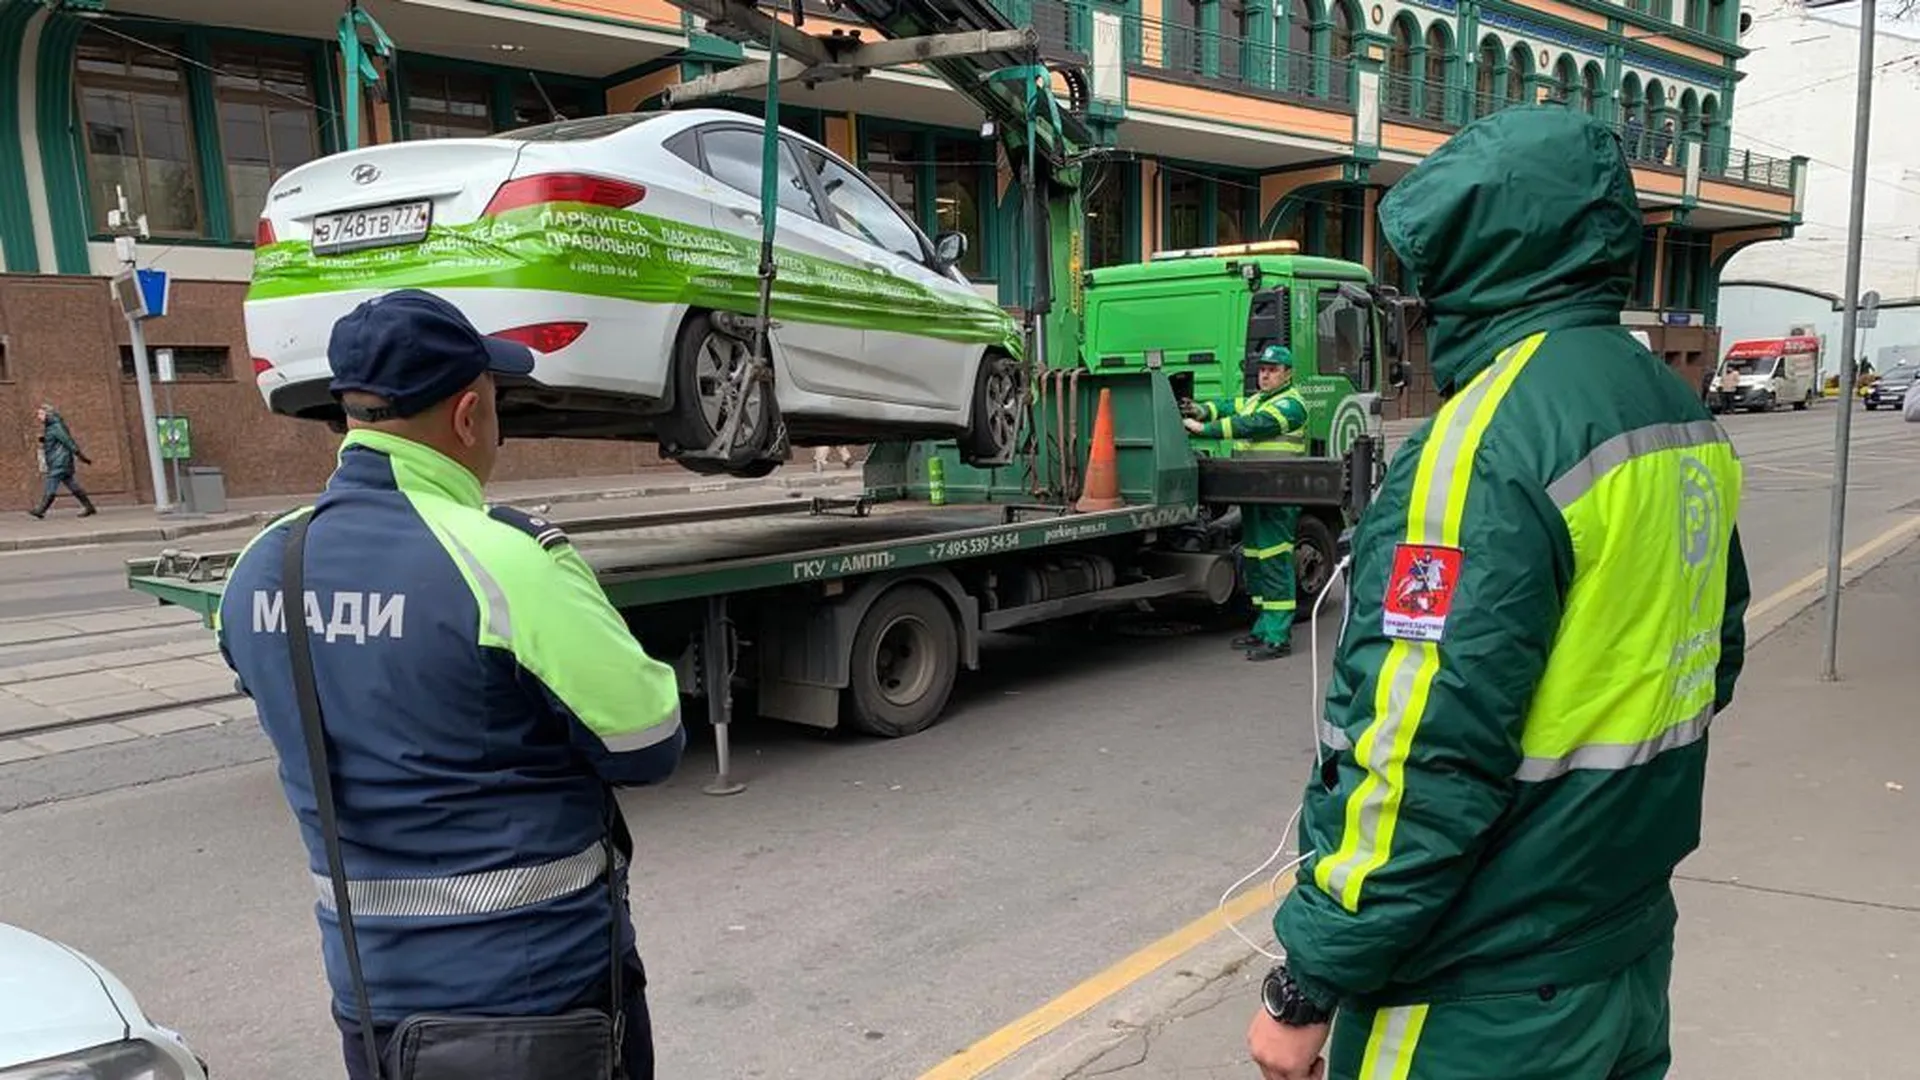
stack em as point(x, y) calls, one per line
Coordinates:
point(587, 127)
point(1900, 376)
point(1748, 365)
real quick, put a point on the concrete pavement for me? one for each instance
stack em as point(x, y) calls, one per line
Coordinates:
point(1799, 943)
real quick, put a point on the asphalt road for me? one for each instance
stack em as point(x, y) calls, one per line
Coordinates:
point(866, 908)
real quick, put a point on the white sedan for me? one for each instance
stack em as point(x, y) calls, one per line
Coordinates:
point(624, 250)
point(64, 1017)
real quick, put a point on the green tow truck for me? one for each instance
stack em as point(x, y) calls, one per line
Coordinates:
point(863, 610)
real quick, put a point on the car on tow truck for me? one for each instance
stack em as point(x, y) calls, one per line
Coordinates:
point(63, 1016)
point(624, 251)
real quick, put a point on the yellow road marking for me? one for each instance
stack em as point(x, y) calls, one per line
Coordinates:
point(1902, 531)
point(1010, 1040)
point(975, 1060)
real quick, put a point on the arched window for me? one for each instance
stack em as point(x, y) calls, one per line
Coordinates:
point(1439, 76)
point(1299, 59)
point(1566, 79)
point(1340, 51)
point(1519, 66)
point(1715, 132)
point(1659, 130)
point(1486, 79)
point(1633, 124)
point(1400, 67)
point(1590, 79)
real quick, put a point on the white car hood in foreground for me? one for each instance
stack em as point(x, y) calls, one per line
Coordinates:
point(53, 1000)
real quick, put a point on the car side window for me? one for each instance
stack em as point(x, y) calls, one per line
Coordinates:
point(1345, 338)
point(862, 212)
point(733, 158)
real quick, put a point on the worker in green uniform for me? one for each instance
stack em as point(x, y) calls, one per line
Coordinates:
point(1546, 607)
point(1269, 423)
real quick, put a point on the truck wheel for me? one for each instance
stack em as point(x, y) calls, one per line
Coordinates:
point(1805, 402)
point(905, 656)
point(1314, 559)
point(997, 399)
point(703, 360)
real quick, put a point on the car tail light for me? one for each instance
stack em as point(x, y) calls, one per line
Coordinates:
point(261, 365)
point(563, 187)
point(546, 337)
point(263, 233)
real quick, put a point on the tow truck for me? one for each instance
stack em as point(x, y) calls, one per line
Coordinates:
point(862, 610)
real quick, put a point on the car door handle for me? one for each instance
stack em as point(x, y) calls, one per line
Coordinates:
point(746, 215)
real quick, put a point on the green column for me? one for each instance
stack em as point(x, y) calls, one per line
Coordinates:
point(61, 163)
point(16, 220)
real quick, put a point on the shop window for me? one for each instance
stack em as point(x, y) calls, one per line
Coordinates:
point(1233, 207)
point(447, 104)
point(138, 126)
point(960, 185)
point(191, 363)
point(1646, 268)
point(891, 164)
point(6, 362)
point(538, 100)
point(265, 130)
point(1106, 206)
point(1186, 212)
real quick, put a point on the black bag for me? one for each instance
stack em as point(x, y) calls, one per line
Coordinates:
point(581, 1044)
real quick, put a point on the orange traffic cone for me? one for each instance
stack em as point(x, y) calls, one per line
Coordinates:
point(1102, 491)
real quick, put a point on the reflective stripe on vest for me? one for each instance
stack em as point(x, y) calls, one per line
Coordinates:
point(484, 893)
point(1293, 443)
point(1632, 674)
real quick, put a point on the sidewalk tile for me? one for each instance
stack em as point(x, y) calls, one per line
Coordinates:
point(238, 709)
point(59, 742)
point(17, 750)
point(164, 674)
point(68, 689)
point(199, 690)
point(172, 720)
point(17, 714)
point(112, 704)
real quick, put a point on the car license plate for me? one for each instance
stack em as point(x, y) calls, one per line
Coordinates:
point(371, 227)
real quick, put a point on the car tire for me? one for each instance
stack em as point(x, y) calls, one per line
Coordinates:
point(905, 658)
point(1871, 406)
point(999, 396)
point(1315, 554)
point(702, 357)
point(1804, 403)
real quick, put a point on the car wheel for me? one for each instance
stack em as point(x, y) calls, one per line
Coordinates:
point(906, 655)
point(1804, 403)
point(704, 361)
point(1871, 406)
point(1314, 555)
point(999, 398)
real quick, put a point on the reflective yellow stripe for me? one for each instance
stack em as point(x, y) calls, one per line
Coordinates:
point(1213, 410)
point(1267, 552)
point(1391, 1042)
point(1226, 427)
point(1276, 605)
point(1434, 510)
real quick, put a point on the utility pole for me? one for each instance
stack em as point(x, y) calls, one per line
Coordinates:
point(1849, 331)
point(125, 228)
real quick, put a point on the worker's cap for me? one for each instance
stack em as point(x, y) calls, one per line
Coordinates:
point(1276, 356)
point(415, 350)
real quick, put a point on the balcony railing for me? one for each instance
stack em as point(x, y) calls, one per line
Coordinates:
point(1189, 53)
point(1748, 167)
point(1411, 97)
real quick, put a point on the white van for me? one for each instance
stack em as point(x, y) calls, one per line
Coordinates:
point(1765, 373)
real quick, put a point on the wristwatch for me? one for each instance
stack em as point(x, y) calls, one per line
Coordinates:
point(1287, 1003)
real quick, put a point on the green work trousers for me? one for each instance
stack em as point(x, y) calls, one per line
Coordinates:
point(1615, 1029)
point(1266, 537)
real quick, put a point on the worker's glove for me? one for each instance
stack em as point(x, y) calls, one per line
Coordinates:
point(1191, 409)
point(1193, 426)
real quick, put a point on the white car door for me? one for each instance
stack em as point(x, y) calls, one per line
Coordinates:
point(901, 367)
point(732, 156)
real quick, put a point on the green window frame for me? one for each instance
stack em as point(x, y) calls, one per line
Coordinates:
point(440, 97)
point(944, 179)
point(1201, 207)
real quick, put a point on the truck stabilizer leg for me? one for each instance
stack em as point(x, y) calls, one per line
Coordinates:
point(716, 661)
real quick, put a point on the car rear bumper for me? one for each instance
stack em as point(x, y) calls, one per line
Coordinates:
point(625, 353)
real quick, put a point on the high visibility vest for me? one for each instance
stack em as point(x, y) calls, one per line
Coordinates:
point(1284, 407)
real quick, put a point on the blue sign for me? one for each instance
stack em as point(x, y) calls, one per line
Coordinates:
point(156, 288)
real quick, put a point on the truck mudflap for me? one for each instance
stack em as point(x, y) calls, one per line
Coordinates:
point(1295, 482)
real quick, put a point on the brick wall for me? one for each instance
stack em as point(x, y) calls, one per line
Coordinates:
point(62, 338)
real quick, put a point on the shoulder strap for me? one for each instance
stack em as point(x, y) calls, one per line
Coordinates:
point(293, 591)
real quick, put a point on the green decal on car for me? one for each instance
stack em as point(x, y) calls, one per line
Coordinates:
point(620, 254)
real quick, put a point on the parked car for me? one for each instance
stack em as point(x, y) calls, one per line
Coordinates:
point(65, 1017)
point(624, 250)
point(1889, 391)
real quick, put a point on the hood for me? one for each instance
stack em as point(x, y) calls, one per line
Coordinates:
point(53, 1000)
point(1525, 220)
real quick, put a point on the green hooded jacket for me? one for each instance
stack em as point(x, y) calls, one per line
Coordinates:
point(58, 445)
point(1546, 606)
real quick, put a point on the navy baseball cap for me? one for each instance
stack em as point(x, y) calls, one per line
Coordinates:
point(415, 350)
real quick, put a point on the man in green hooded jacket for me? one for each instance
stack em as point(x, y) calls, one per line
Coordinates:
point(57, 453)
point(1547, 599)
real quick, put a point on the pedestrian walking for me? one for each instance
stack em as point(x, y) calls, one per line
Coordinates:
point(57, 452)
point(822, 454)
point(1272, 422)
point(1547, 598)
point(451, 697)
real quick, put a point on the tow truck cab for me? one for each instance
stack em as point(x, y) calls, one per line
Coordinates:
point(1203, 316)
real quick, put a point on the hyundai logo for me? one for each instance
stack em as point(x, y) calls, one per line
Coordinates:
point(365, 174)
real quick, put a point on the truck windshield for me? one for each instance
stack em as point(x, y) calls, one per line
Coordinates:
point(1748, 365)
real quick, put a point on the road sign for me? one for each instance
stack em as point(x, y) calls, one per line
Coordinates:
point(1869, 310)
point(176, 437)
point(163, 364)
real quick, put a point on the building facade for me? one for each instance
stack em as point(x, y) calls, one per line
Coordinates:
point(1226, 120)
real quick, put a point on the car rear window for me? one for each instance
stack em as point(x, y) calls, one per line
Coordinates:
point(587, 127)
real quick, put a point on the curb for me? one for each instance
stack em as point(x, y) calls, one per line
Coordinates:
point(1064, 1052)
point(224, 523)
